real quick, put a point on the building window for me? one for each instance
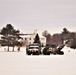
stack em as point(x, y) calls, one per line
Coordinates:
point(25, 38)
point(21, 38)
point(30, 38)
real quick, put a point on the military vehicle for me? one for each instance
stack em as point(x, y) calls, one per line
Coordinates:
point(33, 49)
point(53, 50)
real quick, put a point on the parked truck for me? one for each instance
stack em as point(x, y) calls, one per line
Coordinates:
point(33, 49)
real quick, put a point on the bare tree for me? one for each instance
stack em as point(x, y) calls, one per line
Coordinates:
point(45, 33)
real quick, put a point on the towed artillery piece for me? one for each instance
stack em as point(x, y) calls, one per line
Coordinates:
point(53, 50)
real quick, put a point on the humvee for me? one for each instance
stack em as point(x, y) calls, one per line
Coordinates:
point(33, 49)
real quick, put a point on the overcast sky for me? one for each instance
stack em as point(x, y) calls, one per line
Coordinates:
point(28, 15)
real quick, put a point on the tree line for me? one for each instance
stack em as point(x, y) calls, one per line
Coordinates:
point(59, 38)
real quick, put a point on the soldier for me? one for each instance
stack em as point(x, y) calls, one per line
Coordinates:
point(18, 49)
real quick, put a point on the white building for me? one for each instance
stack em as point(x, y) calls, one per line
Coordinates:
point(29, 39)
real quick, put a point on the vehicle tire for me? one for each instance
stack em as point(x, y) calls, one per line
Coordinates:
point(48, 53)
point(28, 53)
point(44, 51)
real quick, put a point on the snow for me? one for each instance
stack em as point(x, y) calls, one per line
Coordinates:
point(18, 63)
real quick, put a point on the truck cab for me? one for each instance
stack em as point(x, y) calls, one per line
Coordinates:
point(33, 49)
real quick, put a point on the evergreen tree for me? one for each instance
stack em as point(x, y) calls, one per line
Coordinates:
point(37, 39)
point(65, 31)
point(10, 36)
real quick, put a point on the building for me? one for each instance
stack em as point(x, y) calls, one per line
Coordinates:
point(29, 39)
point(0, 39)
point(0, 36)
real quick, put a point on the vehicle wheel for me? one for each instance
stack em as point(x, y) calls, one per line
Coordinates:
point(45, 51)
point(28, 53)
point(48, 53)
point(37, 53)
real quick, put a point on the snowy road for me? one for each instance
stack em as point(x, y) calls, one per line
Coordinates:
point(18, 63)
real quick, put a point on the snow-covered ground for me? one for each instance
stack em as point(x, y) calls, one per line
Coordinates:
point(18, 63)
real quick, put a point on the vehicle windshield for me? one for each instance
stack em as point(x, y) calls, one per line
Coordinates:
point(33, 47)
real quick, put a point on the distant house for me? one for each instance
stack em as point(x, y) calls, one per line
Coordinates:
point(29, 39)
